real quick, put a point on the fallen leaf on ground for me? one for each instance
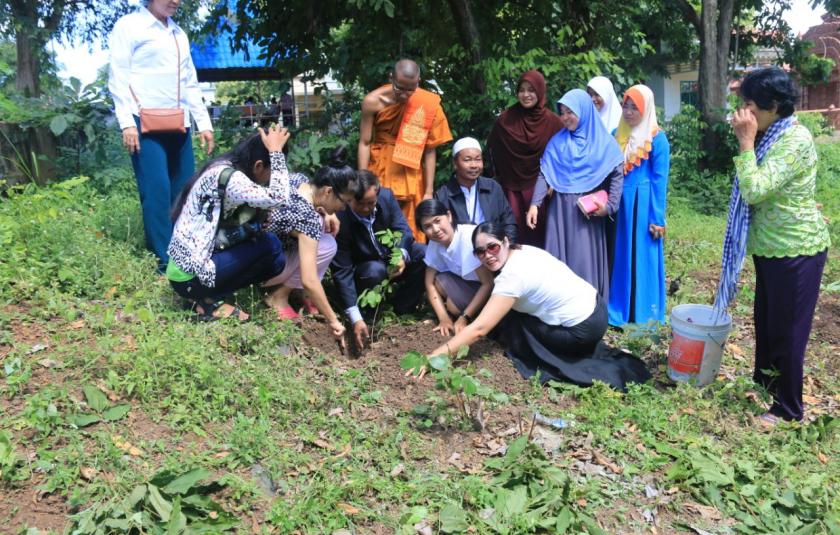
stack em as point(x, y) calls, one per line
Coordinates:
point(397, 470)
point(336, 411)
point(323, 444)
point(811, 400)
point(347, 508)
point(36, 348)
point(704, 511)
point(822, 458)
point(78, 324)
point(49, 363)
point(735, 350)
point(343, 452)
point(603, 461)
point(87, 473)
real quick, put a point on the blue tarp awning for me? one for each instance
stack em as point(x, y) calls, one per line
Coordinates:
point(215, 60)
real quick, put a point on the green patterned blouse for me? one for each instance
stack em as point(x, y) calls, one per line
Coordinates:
point(785, 220)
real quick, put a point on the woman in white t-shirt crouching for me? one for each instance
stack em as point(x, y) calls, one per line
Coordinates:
point(457, 285)
point(549, 320)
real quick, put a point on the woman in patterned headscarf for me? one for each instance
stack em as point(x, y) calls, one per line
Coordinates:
point(638, 278)
point(515, 146)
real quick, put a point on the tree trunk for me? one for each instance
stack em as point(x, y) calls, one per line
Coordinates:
point(470, 39)
point(714, 28)
point(27, 80)
point(39, 143)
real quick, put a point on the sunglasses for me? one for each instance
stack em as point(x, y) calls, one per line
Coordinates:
point(492, 248)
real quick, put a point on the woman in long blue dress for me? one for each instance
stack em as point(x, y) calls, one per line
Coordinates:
point(637, 289)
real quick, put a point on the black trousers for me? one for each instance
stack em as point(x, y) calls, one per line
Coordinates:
point(786, 292)
point(576, 354)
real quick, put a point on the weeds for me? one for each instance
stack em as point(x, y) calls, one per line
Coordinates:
point(168, 503)
point(374, 297)
point(464, 391)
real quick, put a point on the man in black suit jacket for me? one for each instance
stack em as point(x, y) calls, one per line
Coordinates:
point(361, 261)
point(471, 197)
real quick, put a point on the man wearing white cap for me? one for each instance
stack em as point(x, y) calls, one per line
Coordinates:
point(473, 198)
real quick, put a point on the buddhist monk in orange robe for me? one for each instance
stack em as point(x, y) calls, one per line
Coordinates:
point(401, 127)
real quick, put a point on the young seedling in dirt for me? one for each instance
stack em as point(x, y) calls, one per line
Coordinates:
point(374, 297)
point(465, 391)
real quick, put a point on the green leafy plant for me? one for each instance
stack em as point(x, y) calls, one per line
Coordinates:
point(10, 464)
point(464, 391)
point(374, 297)
point(707, 190)
point(103, 410)
point(815, 122)
point(306, 155)
point(168, 503)
point(18, 372)
point(528, 493)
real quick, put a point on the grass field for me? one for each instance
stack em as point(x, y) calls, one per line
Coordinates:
point(117, 414)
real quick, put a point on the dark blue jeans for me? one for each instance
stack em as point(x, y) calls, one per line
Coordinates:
point(255, 260)
point(162, 167)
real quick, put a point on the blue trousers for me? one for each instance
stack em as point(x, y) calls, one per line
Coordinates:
point(162, 167)
point(255, 260)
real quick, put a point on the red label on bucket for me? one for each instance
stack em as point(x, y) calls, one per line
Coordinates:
point(686, 355)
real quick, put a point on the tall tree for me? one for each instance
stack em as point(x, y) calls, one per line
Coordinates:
point(33, 24)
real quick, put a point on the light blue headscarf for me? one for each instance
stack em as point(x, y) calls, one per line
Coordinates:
point(577, 162)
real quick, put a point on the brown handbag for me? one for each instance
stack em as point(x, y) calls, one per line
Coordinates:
point(163, 120)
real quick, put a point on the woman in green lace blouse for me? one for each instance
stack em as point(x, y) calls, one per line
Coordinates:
point(788, 236)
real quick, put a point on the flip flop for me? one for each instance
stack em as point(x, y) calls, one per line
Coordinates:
point(310, 308)
point(208, 313)
point(287, 313)
point(769, 420)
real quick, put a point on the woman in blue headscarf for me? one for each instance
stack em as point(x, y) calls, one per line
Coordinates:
point(581, 159)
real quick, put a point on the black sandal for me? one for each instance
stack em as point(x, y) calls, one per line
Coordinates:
point(208, 310)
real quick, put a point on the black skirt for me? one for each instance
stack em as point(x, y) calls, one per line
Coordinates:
point(575, 354)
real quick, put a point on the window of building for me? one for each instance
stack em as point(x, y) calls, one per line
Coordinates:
point(689, 93)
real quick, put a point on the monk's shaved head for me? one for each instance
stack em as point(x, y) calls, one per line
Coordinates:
point(406, 68)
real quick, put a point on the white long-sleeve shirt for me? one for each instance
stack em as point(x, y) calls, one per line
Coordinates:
point(144, 56)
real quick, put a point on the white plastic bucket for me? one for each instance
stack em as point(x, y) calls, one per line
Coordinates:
point(697, 342)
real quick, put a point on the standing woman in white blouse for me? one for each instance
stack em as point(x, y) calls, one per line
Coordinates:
point(151, 68)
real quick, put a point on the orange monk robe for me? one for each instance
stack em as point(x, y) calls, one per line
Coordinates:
point(406, 183)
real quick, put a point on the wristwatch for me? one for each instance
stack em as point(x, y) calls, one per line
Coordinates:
point(467, 317)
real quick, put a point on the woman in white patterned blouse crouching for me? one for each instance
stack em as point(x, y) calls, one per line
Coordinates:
point(218, 245)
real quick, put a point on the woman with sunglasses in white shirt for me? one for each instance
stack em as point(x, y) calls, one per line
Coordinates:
point(550, 321)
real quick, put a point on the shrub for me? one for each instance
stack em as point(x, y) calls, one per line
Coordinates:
point(707, 190)
point(815, 122)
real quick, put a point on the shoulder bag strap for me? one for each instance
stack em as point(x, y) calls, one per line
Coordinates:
point(224, 178)
point(177, 81)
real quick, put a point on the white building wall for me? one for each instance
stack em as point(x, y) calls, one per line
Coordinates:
point(671, 96)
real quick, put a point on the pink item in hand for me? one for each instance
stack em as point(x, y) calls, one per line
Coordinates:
point(587, 203)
